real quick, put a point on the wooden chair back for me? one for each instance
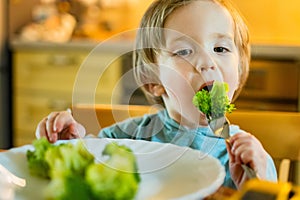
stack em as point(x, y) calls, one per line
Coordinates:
point(95, 117)
point(279, 132)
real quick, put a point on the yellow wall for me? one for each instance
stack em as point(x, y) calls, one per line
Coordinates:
point(272, 21)
point(269, 21)
point(137, 10)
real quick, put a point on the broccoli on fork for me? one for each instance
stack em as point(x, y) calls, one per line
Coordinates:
point(215, 103)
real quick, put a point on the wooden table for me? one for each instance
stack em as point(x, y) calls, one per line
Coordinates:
point(221, 193)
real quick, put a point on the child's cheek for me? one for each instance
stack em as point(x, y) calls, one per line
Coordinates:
point(233, 84)
point(231, 92)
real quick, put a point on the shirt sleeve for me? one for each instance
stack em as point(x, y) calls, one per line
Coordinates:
point(114, 131)
point(271, 170)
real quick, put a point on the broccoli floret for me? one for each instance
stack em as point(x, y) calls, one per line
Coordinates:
point(68, 164)
point(118, 173)
point(120, 157)
point(68, 187)
point(75, 175)
point(68, 159)
point(214, 103)
point(36, 159)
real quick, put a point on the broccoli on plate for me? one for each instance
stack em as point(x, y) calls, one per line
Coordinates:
point(74, 174)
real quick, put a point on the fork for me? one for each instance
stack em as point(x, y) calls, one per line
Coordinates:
point(220, 127)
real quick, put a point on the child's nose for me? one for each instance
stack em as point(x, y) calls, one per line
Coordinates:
point(205, 68)
point(204, 62)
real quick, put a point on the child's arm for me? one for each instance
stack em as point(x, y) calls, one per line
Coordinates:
point(246, 149)
point(59, 125)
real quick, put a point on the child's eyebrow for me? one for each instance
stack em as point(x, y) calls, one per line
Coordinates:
point(180, 38)
point(220, 36)
point(223, 36)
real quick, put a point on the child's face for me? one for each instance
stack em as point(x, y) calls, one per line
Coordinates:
point(201, 51)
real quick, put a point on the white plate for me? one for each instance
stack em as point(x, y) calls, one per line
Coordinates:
point(167, 171)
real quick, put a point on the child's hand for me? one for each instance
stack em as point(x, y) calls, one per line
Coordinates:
point(246, 149)
point(59, 125)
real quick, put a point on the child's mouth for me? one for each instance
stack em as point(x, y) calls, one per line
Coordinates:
point(207, 86)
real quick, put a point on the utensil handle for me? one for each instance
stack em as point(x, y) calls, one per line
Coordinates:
point(251, 173)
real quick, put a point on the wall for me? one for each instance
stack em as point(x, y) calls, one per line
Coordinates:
point(20, 12)
point(272, 21)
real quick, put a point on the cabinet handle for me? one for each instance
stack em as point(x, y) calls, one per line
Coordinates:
point(62, 60)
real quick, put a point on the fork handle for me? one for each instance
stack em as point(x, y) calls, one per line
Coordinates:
point(251, 173)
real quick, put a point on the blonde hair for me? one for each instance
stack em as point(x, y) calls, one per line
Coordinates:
point(150, 38)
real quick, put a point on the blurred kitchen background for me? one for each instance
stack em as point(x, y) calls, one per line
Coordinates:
point(45, 42)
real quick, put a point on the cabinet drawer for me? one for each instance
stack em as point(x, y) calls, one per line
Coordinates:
point(30, 109)
point(49, 81)
point(23, 137)
point(58, 71)
point(45, 71)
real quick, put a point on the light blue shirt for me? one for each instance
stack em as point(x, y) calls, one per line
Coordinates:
point(160, 127)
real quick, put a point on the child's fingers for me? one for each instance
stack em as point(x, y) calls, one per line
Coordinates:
point(59, 125)
point(56, 122)
point(246, 149)
point(50, 122)
point(70, 132)
point(245, 154)
point(229, 149)
point(240, 137)
point(241, 140)
point(50, 129)
point(62, 120)
point(41, 130)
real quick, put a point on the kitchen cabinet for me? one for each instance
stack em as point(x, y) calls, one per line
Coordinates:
point(48, 80)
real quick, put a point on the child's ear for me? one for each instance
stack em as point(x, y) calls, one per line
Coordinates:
point(156, 89)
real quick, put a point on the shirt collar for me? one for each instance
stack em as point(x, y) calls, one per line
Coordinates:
point(172, 124)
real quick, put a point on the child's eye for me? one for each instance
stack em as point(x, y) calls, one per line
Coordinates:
point(221, 49)
point(183, 52)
